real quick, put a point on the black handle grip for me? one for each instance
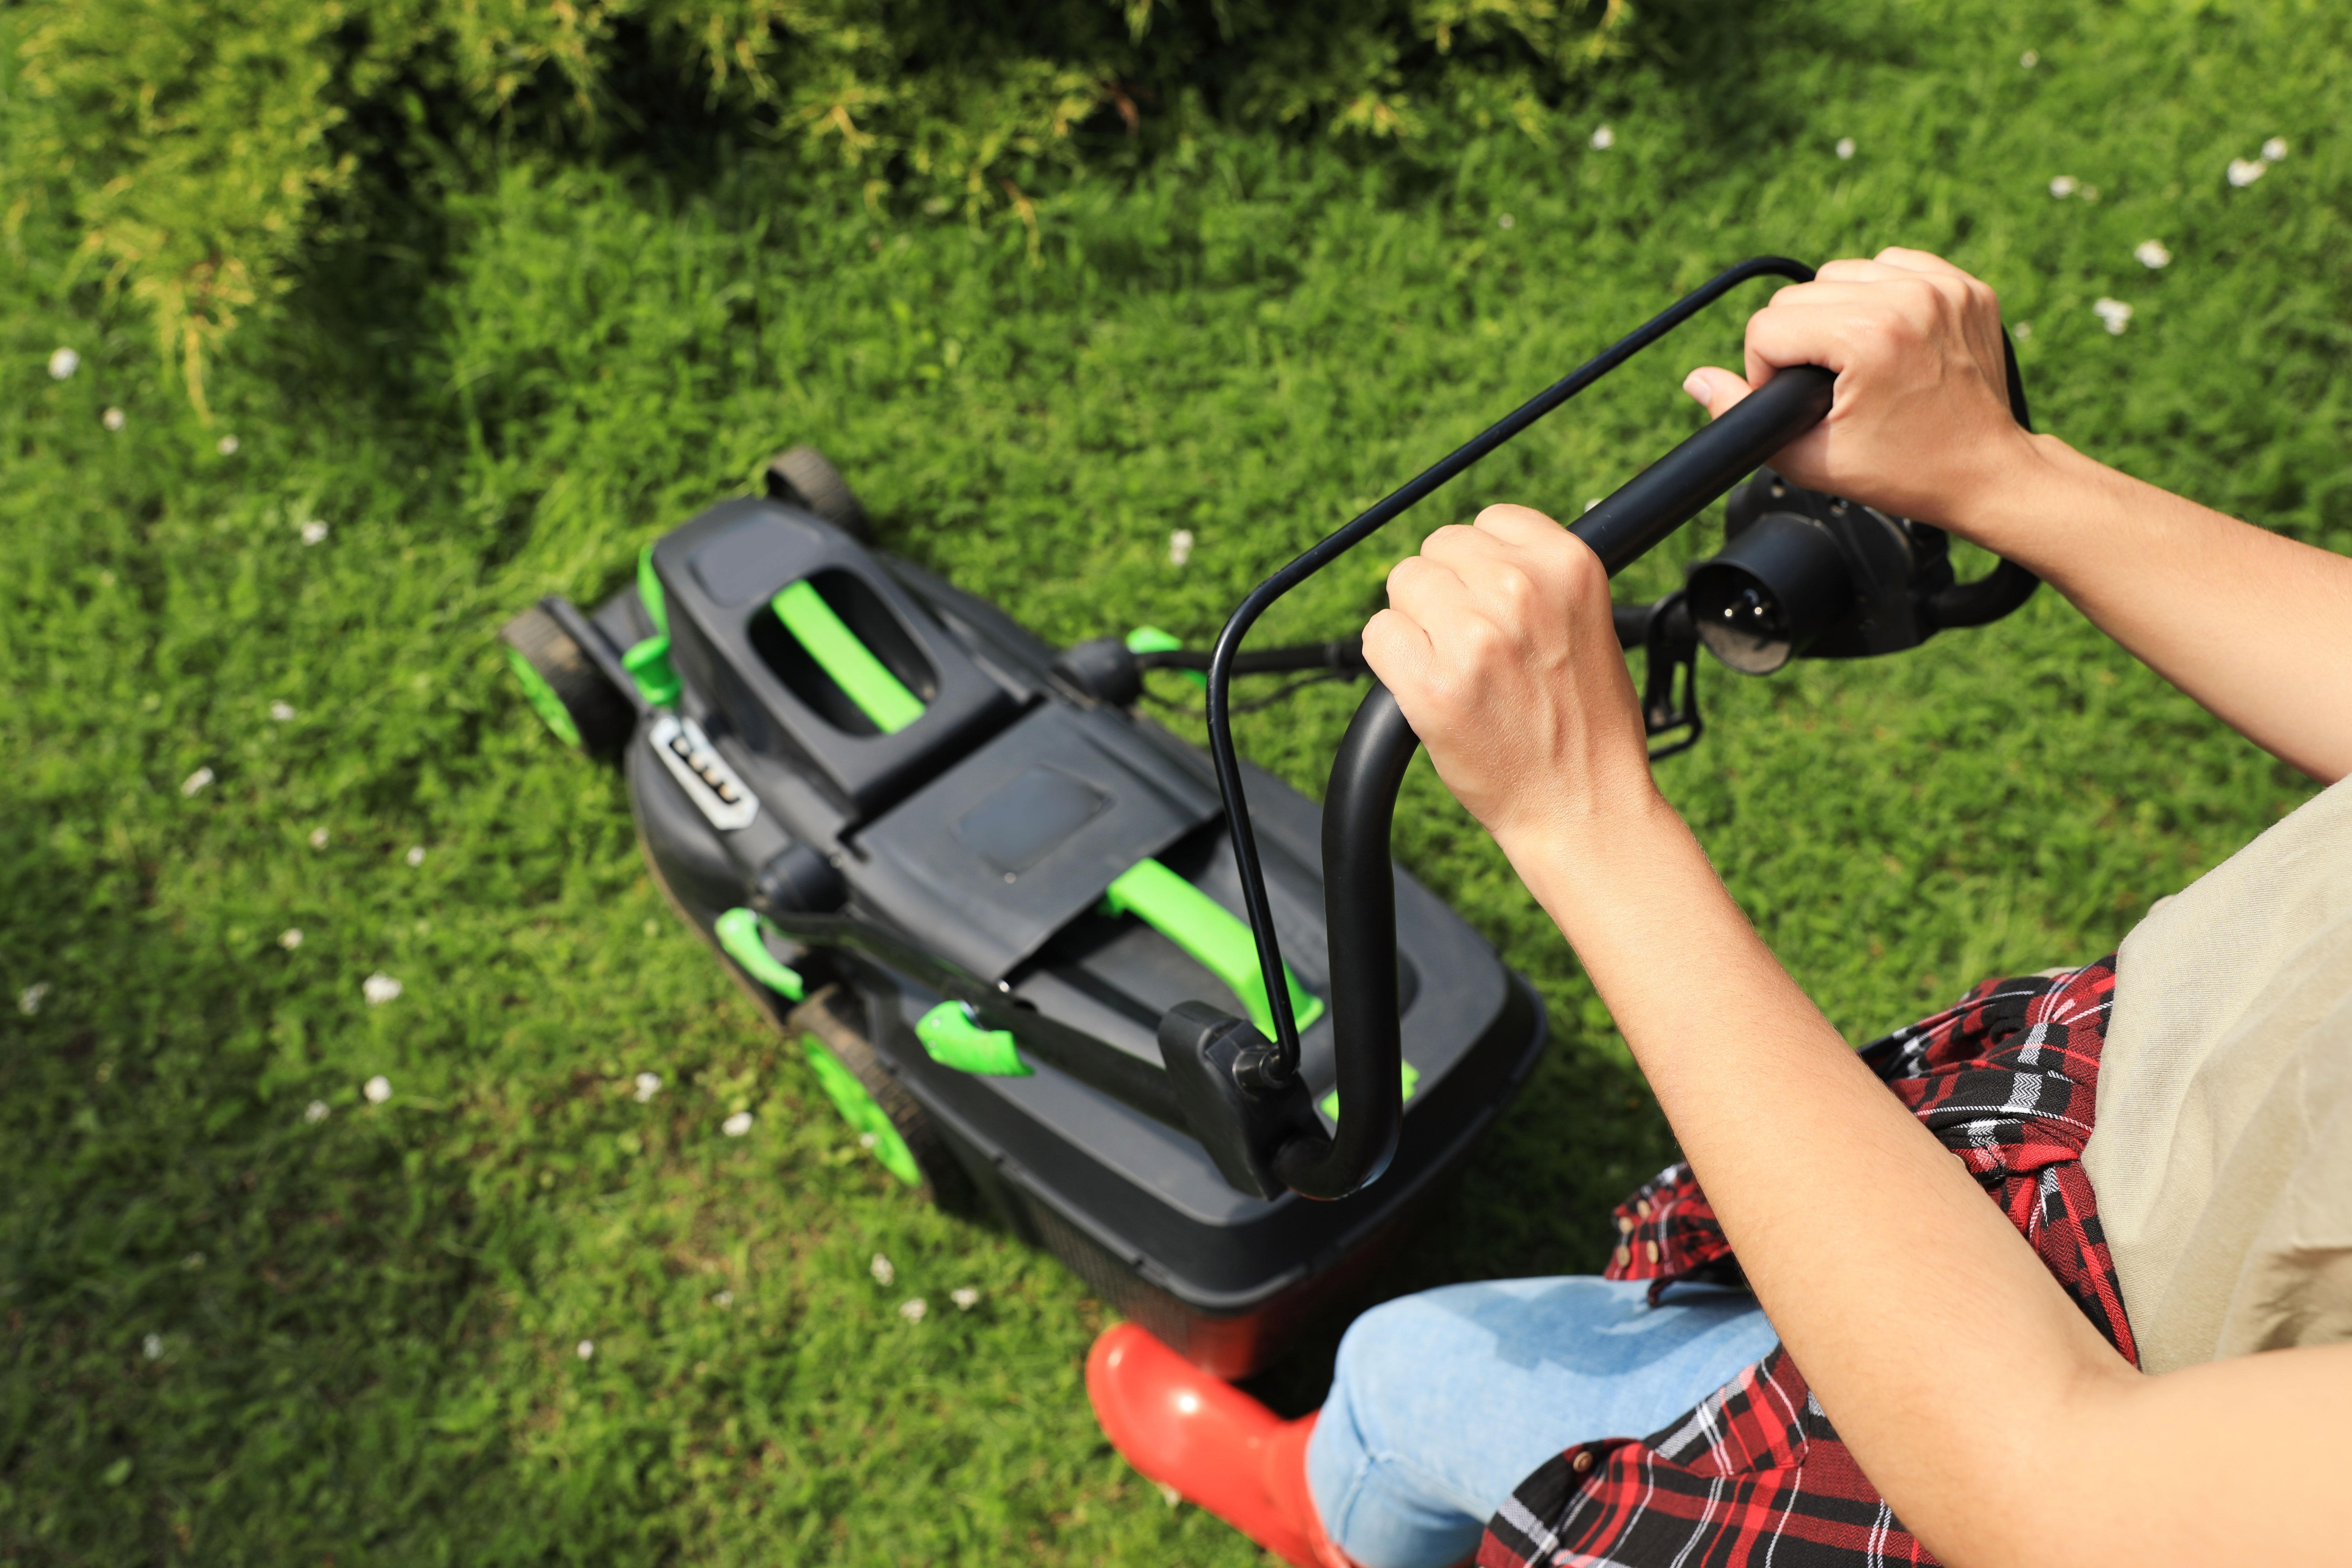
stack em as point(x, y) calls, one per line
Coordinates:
point(1669, 492)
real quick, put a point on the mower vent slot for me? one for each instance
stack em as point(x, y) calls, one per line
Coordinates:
point(871, 623)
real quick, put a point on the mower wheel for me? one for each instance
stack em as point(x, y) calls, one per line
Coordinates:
point(564, 688)
point(805, 478)
point(889, 1125)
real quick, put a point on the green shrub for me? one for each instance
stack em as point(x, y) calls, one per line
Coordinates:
point(200, 146)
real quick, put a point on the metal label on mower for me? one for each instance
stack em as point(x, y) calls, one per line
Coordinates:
point(702, 774)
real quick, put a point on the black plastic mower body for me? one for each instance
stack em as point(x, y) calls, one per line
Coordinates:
point(965, 858)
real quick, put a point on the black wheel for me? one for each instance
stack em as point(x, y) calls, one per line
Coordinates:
point(564, 688)
point(804, 477)
point(888, 1123)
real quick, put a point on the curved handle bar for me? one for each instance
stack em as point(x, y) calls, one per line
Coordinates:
point(1360, 806)
point(1360, 912)
point(1223, 659)
point(1242, 1093)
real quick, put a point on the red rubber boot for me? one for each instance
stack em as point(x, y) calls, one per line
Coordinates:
point(1221, 1449)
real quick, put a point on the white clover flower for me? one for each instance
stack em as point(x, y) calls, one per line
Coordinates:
point(2065, 185)
point(416, 856)
point(1179, 547)
point(585, 1349)
point(1604, 139)
point(380, 988)
point(226, 446)
point(282, 711)
point(29, 1000)
point(737, 1125)
point(866, 1141)
point(378, 1089)
point(2275, 149)
point(152, 1347)
point(964, 1297)
point(113, 420)
point(724, 1298)
point(1169, 1494)
point(314, 532)
point(1844, 148)
point(2028, 59)
point(318, 838)
point(2116, 314)
point(195, 780)
point(290, 938)
point(2244, 172)
point(315, 1113)
point(2022, 331)
point(1507, 221)
point(648, 1085)
point(882, 1269)
point(63, 364)
point(913, 1309)
point(2151, 254)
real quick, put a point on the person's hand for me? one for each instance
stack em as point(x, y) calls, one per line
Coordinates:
point(1921, 427)
point(1498, 645)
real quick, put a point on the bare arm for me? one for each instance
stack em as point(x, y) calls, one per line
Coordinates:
point(2004, 1431)
point(2255, 627)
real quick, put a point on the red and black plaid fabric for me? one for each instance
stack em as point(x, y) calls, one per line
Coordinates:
point(1755, 1473)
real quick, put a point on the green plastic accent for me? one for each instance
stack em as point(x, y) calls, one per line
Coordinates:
point(1152, 639)
point(1200, 925)
point(866, 1118)
point(879, 694)
point(648, 661)
point(738, 937)
point(542, 698)
point(649, 665)
point(955, 1039)
point(649, 589)
point(1330, 1102)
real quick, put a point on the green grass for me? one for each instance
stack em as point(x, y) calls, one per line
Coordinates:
point(364, 1328)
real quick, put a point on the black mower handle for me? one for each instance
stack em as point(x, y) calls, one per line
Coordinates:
point(1360, 806)
point(1241, 1093)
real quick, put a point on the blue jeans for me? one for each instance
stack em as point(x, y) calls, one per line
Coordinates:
point(1444, 1402)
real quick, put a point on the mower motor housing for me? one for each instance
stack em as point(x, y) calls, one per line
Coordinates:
point(961, 851)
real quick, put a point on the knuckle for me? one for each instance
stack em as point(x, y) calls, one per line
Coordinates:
point(1581, 569)
point(1480, 641)
point(1516, 586)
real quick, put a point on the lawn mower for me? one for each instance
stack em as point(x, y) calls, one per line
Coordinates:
point(1034, 944)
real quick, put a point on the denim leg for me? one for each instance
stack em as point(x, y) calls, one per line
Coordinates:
point(1443, 1403)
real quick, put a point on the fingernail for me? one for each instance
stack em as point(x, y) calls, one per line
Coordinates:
point(1694, 384)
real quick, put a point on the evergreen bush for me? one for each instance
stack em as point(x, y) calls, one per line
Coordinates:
point(200, 145)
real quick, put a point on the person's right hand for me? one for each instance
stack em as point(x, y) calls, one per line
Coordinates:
point(1921, 425)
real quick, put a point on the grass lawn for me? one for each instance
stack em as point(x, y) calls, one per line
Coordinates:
point(516, 1314)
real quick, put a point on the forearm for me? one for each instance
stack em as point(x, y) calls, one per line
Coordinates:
point(1900, 1289)
point(2255, 627)
point(2005, 1432)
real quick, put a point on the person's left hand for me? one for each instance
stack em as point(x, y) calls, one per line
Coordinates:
point(1498, 645)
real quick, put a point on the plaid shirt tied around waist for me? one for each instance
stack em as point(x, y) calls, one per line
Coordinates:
point(1755, 1473)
